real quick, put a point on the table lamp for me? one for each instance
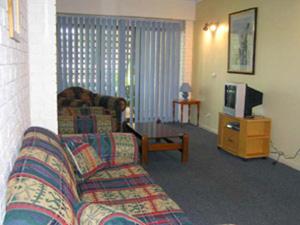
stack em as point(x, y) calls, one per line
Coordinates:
point(185, 89)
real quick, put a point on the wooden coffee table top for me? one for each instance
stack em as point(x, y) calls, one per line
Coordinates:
point(154, 130)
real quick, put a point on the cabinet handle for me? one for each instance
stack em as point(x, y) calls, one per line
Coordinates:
point(229, 139)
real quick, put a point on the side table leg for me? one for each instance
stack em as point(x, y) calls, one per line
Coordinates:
point(189, 119)
point(173, 112)
point(145, 146)
point(181, 114)
point(185, 148)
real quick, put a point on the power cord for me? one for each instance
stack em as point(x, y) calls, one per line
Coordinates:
point(281, 154)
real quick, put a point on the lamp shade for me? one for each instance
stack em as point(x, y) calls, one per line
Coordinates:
point(185, 87)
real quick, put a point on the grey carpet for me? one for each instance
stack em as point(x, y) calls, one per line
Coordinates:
point(215, 187)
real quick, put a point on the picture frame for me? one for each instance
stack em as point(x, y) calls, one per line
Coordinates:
point(14, 19)
point(242, 41)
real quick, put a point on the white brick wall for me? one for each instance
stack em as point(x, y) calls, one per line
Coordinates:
point(14, 92)
point(42, 61)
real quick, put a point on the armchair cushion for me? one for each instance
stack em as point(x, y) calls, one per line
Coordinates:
point(79, 121)
point(98, 214)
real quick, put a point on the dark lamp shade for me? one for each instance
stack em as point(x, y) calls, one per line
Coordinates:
point(185, 87)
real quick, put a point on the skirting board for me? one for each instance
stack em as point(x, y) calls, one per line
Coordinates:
point(215, 131)
point(288, 162)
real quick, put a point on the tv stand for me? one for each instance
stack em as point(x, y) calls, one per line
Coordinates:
point(244, 137)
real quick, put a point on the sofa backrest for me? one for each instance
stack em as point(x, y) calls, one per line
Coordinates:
point(42, 186)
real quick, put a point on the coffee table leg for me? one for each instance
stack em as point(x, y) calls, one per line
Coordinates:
point(145, 146)
point(185, 148)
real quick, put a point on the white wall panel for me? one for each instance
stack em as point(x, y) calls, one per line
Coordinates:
point(42, 60)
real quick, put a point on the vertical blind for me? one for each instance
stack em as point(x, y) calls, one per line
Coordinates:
point(138, 59)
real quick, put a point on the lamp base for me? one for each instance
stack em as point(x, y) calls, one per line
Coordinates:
point(185, 95)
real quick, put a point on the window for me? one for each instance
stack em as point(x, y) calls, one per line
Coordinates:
point(133, 58)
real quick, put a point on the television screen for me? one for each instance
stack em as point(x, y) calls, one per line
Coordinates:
point(230, 96)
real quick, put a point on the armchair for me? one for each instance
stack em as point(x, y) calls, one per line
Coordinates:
point(82, 111)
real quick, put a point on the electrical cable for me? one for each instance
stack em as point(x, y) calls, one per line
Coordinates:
point(281, 154)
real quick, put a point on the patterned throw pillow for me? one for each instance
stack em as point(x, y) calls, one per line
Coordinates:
point(66, 124)
point(98, 214)
point(85, 124)
point(85, 157)
point(113, 149)
point(104, 123)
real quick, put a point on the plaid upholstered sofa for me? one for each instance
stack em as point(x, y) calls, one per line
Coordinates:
point(82, 111)
point(45, 188)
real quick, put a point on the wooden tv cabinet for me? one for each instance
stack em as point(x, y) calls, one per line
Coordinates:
point(244, 137)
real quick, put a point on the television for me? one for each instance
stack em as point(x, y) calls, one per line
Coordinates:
point(240, 99)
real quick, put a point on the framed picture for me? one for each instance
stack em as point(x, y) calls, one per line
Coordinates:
point(241, 41)
point(14, 19)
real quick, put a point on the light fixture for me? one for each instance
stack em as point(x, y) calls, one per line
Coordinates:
point(213, 26)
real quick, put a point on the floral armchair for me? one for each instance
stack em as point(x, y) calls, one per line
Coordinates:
point(82, 111)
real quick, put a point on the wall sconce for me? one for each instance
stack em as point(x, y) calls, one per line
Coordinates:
point(213, 26)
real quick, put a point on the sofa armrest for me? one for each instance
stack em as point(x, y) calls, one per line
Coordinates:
point(109, 102)
point(115, 105)
point(114, 148)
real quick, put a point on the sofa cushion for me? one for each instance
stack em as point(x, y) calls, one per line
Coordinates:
point(84, 156)
point(98, 214)
point(129, 188)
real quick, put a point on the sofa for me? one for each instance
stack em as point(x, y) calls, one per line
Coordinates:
point(45, 187)
point(82, 111)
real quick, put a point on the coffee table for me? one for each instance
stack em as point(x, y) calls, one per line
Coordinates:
point(159, 137)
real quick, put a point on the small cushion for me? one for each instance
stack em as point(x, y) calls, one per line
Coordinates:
point(84, 156)
point(98, 214)
point(104, 123)
point(66, 124)
point(85, 124)
point(113, 149)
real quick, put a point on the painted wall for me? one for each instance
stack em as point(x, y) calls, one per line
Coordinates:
point(171, 9)
point(42, 60)
point(277, 66)
point(14, 92)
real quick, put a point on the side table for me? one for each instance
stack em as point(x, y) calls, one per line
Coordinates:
point(188, 102)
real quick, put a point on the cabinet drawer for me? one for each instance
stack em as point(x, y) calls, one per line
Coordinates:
point(231, 140)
